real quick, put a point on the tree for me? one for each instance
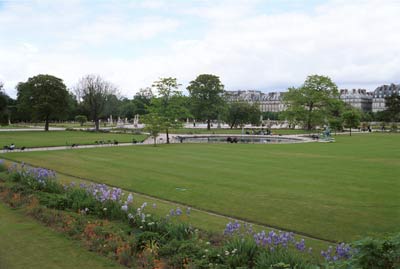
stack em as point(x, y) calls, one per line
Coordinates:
point(392, 111)
point(111, 106)
point(206, 95)
point(92, 92)
point(241, 113)
point(3, 105)
point(335, 110)
point(351, 119)
point(45, 97)
point(81, 119)
point(138, 105)
point(154, 125)
point(169, 104)
point(309, 103)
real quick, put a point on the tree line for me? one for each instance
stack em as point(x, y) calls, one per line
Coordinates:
point(163, 105)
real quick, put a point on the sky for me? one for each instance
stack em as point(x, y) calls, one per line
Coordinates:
point(266, 45)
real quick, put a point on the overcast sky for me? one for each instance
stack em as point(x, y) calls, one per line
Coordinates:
point(250, 44)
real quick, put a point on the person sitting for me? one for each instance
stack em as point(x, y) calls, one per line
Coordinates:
point(11, 147)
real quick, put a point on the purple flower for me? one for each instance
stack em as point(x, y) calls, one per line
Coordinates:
point(178, 211)
point(341, 252)
point(231, 228)
point(172, 212)
point(301, 246)
point(129, 199)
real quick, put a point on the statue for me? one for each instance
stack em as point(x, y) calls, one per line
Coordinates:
point(327, 132)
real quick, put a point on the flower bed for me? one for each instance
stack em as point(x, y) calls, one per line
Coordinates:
point(107, 221)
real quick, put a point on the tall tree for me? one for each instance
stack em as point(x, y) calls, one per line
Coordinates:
point(169, 104)
point(154, 125)
point(309, 103)
point(92, 92)
point(3, 105)
point(206, 95)
point(351, 118)
point(335, 110)
point(392, 111)
point(241, 113)
point(45, 97)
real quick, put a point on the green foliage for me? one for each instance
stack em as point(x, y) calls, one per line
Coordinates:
point(154, 125)
point(241, 113)
point(310, 103)
point(138, 105)
point(53, 200)
point(351, 119)
point(4, 106)
point(377, 253)
point(206, 98)
point(81, 119)
point(170, 104)
point(241, 252)
point(181, 252)
point(392, 111)
point(281, 258)
point(44, 97)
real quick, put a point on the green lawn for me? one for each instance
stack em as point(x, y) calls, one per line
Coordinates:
point(61, 138)
point(337, 191)
point(24, 243)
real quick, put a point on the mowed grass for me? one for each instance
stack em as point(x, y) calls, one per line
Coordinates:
point(24, 243)
point(61, 138)
point(337, 191)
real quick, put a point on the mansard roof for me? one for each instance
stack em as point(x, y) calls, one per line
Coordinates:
point(387, 90)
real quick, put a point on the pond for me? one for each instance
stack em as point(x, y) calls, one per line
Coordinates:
point(243, 139)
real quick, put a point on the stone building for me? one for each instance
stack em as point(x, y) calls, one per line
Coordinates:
point(268, 102)
point(358, 98)
point(378, 101)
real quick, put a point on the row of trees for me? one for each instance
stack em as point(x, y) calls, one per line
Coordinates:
point(317, 103)
point(46, 98)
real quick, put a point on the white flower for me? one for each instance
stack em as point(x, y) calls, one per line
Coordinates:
point(124, 208)
point(105, 209)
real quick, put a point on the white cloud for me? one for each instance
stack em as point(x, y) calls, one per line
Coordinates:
point(354, 42)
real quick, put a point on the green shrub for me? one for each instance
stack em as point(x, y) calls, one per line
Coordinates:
point(80, 199)
point(241, 252)
point(373, 253)
point(181, 253)
point(143, 238)
point(56, 201)
point(281, 258)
